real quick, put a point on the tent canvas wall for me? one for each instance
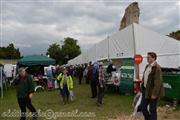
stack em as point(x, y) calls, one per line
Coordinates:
point(136, 39)
point(121, 44)
point(102, 50)
point(85, 57)
point(92, 53)
point(166, 48)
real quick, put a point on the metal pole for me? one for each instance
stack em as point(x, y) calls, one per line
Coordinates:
point(96, 52)
point(108, 49)
point(136, 67)
point(1, 82)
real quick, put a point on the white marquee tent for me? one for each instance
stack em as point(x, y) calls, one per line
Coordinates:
point(132, 40)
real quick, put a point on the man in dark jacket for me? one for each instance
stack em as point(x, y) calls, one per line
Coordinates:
point(24, 90)
point(80, 73)
point(152, 87)
point(111, 68)
point(94, 80)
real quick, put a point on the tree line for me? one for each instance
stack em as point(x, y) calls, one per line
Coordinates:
point(9, 52)
point(69, 49)
point(175, 35)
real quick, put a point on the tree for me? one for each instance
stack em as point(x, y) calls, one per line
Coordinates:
point(175, 35)
point(69, 50)
point(54, 51)
point(9, 52)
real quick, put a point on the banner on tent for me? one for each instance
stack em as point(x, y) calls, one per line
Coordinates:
point(127, 76)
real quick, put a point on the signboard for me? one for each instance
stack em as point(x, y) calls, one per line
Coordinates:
point(138, 60)
point(127, 76)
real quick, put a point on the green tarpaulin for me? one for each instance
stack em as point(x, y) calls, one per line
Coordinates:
point(36, 60)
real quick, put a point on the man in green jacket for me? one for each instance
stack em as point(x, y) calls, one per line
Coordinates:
point(152, 87)
point(24, 91)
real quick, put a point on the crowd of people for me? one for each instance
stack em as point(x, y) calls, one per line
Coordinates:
point(94, 74)
point(63, 77)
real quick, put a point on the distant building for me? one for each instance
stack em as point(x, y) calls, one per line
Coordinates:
point(5, 61)
point(131, 15)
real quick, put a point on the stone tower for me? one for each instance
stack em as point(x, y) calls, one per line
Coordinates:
point(131, 15)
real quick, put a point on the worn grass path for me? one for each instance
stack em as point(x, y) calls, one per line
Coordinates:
point(115, 106)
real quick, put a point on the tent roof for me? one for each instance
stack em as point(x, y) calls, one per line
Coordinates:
point(36, 60)
point(135, 39)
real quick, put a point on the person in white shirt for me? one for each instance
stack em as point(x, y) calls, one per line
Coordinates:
point(152, 87)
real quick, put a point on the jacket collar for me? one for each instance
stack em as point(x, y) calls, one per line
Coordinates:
point(153, 64)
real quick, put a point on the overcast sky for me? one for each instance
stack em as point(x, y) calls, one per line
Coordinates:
point(32, 25)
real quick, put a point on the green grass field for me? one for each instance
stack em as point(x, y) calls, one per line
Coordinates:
point(114, 104)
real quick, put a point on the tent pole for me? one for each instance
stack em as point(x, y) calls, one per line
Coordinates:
point(96, 52)
point(136, 67)
point(4, 78)
point(108, 49)
point(1, 83)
